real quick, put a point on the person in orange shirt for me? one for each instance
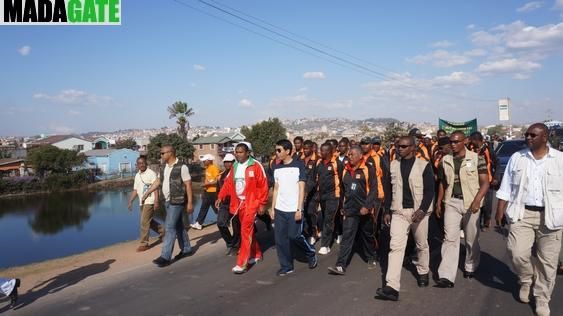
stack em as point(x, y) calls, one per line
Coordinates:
point(422, 151)
point(209, 195)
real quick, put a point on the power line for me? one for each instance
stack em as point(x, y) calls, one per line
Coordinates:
point(340, 61)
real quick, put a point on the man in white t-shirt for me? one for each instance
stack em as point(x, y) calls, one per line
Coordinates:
point(143, 181)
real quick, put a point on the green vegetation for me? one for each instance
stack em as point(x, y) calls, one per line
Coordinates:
point(184, 150)
point(264, 135)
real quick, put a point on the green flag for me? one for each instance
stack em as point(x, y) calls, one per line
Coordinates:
point(467, 127)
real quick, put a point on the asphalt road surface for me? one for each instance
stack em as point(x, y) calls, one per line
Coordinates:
point(204, 285)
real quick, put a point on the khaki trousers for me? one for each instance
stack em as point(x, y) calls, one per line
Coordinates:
point(147, 223)
point(543, 269)
point(456, 216)
point(401, 224)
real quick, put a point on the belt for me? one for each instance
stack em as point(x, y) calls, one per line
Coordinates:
point(534, 208)
point(458, 196)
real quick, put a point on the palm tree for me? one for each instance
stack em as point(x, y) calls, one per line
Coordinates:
point(181, 112)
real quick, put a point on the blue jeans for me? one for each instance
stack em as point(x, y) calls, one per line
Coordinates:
point(287, 232)
point(174, 228)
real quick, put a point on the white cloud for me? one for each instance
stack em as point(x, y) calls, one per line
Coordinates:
point(482, 38)
point(521, 76)
point(477, 52)
point(199, 67)
point(558, 4)
point(74, 97)
point(442, 44)
point(471, 27)
point(24, 50)
point(246, 103)
point(303, 89)
point(441, 58)
point(530, 6)
point(456, 79)
point(314, 75)
point(509, 65)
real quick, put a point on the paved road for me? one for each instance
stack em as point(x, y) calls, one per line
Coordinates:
point(204, 285)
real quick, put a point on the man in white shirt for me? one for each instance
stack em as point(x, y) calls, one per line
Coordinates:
point(143, 181)
point(531, 197)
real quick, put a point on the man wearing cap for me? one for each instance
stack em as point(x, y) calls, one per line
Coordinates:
point(376, 146)
point(422, 150)
point(209, 190)
point(530, 196)
point(224, 216)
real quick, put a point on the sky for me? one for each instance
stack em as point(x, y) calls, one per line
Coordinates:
point(415, 61)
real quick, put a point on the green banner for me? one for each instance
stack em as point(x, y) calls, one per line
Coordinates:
point(466, 127)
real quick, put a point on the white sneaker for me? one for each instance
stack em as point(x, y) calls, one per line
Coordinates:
point(312, 240)
point(524, 294)
point(196, 225)
point(239, 270)
point(339, 239)
point(324, 251)
point(254, 260)
point(542, 308)
point(462, 235)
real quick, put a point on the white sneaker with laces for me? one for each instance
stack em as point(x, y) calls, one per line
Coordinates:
point(196, 225)
point(324, 251)
point(239, 270)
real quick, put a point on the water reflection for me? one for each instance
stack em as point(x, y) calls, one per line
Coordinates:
point(59, 224)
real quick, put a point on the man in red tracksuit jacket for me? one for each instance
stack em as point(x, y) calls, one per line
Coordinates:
point(247, 186)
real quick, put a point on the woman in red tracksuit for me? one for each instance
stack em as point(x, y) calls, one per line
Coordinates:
point(247, 186)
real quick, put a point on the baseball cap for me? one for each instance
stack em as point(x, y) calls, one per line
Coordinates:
point(207, 157)
point(376, 140)
point(365, 140)
point(229, 157)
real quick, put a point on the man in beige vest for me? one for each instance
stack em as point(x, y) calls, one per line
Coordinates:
point(463, 184)
point(408, 207)
point(530, 196)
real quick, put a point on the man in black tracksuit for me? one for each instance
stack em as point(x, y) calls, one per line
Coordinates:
point(328, 176)
point(311, 202)
point(360, 200)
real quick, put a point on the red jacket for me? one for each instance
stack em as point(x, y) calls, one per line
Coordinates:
point(255, 190)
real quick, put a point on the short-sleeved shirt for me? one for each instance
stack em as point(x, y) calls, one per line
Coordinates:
point(143, 181)
point(288, 176)
point(185, 173)
point(211, 173)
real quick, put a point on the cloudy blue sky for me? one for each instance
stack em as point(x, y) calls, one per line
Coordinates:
point(411, 60)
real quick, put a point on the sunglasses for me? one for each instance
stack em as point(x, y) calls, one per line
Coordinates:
point(531, 135)
point(163, 152)
point(456, 141)
point(404, 146)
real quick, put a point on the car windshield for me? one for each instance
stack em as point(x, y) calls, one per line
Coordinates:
point(509, 147)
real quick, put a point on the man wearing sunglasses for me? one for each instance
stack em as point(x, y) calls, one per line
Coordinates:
point(463, 185)
point(176, 185)
point(407, 207)
point(531, 197)
point(287, 208)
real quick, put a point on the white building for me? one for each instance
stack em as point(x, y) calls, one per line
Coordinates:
point(63, 142)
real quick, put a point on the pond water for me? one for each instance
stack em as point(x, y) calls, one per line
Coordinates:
point(40, 227)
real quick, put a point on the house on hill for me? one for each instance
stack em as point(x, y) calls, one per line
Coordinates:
point(216, 145)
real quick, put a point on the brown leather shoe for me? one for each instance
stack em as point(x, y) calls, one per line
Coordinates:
point(142, 248)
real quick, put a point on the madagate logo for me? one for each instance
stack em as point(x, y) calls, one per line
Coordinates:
point(60, 12)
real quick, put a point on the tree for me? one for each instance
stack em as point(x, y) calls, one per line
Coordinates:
point(184, 150)
point(496, 130)
point(50, 159)
point(393, 131)
point(264, 135)
point(5, 154)
point(129, 143)
point(181, 112)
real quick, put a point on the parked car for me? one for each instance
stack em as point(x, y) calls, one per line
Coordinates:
point(503, 154)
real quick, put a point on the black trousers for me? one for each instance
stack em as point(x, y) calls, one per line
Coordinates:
point(329, 209)
point(223, 218)
point(311, 217)
point(358, 233)
point(207, 200)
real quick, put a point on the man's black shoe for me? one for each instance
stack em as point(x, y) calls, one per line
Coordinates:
point(161, 262)
point(183, 255)
point(422, 280)
point(387, 293)
point(468, 275)
point(14, 295)
point(444, 283)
